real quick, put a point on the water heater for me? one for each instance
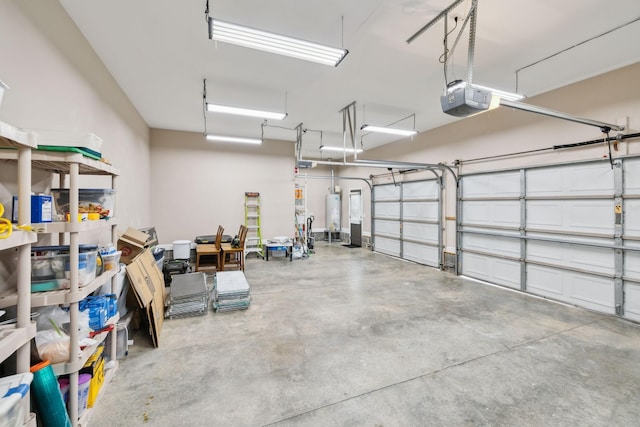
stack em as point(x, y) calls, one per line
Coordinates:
point(333, 214)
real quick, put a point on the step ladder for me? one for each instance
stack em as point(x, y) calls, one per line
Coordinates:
point(253, 242)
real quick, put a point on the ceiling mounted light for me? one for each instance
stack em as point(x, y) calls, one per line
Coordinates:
point(390, 131)
point(509, 96)
point(225, 109)
point(223, 138)
point(275, 43)
point(340, 149)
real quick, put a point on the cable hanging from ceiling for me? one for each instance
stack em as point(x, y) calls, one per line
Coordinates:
point(517, 74)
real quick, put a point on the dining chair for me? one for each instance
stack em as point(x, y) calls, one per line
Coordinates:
point(210, 250)
point(234, 256)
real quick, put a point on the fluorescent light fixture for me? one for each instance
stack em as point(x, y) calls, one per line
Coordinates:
point(509, 96)
point(340, 149)
point(225, 109)
point(223, 138)
point(274, 43)
point(390, 131)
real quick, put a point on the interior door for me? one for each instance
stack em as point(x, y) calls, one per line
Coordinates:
point(355, 216)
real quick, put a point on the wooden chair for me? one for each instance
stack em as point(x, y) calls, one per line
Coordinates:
point(234, 257)
point(210, 250)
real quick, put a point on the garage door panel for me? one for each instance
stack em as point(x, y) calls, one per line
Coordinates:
point(544, 214)
point(426, 211)
point(578, 216)
point(632, 176)
point(420, 190)
point(494, 270)
point(389, 228)
point(386, 192)
point(593, 259)
point(388, 246)
point(588, 179)
point(544, 281)
point(498, 213)
point(427, 233)
point(584, 290)
point(504, 246)
point(388, 210)
point(592, 292)
point(632, 218)
point(420, 253)
point(632, 265)
point(632, 301)
point(499, 184)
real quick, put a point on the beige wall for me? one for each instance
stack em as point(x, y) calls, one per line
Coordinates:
point(58, 83)
point(197, 185)
point(608, 98)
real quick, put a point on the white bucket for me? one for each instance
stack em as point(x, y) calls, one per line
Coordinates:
point(182, 249)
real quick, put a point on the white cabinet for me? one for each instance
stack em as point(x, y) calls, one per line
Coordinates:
point(71, 166)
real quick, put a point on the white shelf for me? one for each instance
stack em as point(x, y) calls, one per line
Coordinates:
point(18, 238)
point(12, 337)
point(73, 227)
point(68, 367)
point(61, 296)
point(12, 137)
point(62, 163)
point(59, 162)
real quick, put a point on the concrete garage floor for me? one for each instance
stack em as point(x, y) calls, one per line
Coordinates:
point(352, 338)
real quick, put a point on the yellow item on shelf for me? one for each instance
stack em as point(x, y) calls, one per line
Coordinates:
point(5, 225)
point(6, 228)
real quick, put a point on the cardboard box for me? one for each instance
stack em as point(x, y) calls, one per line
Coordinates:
point(147, 283)
point(132, 243)
point(95, 367)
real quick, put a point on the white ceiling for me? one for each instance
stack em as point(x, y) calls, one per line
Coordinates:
point(159, 53)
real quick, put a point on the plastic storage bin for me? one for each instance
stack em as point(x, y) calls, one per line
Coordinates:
point(12, 391)
point(64, 389)
point(50, 267)
point(84, 380)
point(122, 342)
point(91, 201)
point(111, 261)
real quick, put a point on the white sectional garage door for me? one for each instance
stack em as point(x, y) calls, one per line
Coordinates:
point(571, 233)
point(407, 221)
